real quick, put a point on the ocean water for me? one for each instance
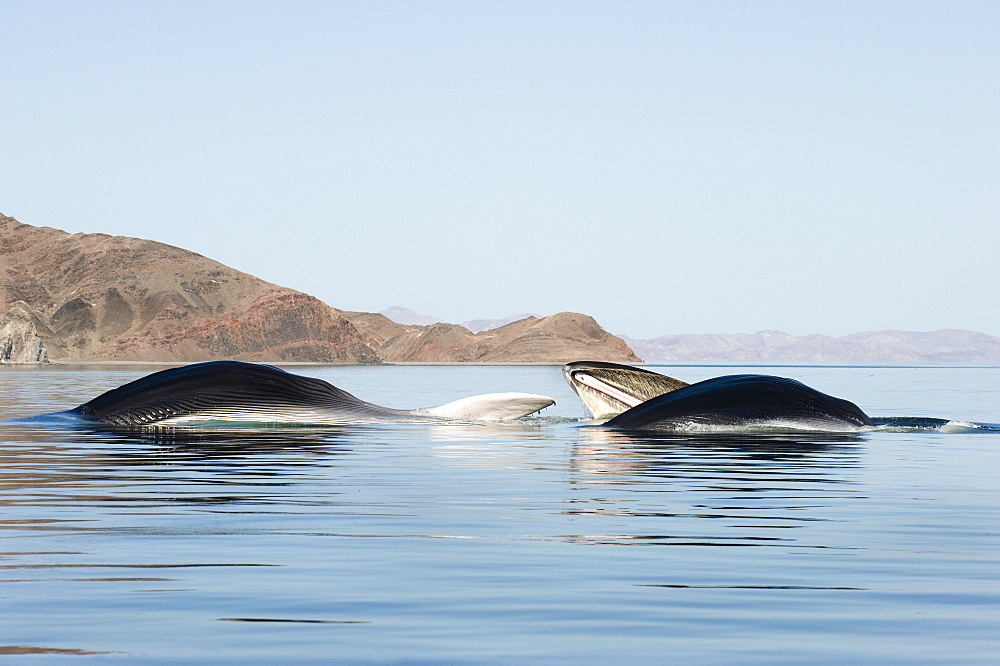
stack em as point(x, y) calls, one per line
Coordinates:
point(543, 541)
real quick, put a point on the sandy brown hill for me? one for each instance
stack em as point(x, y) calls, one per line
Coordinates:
point(80, 297)
point(100, 297)
point(560, 337)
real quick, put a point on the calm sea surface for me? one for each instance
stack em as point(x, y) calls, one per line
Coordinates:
point(544, 541)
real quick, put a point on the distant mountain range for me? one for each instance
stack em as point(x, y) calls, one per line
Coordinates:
point(945, 346)
point(409, 317)
point(879, 347)
point(406, 316)
point(83, 297)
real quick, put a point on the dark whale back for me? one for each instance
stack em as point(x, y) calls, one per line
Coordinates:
point(738, 400)
point(223, 389)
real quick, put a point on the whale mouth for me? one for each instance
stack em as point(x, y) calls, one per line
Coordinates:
point(608, 389)
point(605, 389)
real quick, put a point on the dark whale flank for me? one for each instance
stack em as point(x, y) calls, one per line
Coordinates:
point(224, 389)
point(740, 400)
point(237, 392)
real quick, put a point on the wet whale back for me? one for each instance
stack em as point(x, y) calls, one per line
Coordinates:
point(737, 400)
point(224, 390)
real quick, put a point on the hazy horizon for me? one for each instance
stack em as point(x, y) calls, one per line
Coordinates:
point(824, 167)
point(383, 311)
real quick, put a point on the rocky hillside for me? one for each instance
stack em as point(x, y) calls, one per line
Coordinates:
point(560, 337)
point(946, 346)
point(78, 297)
point(82, 297)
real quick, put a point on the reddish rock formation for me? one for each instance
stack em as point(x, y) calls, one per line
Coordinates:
point(80, 297)
point(100, 297)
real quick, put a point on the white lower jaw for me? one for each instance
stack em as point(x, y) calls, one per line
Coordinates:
point(606, 389)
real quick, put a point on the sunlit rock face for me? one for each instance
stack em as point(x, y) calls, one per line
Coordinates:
point(19, 339)
point(99, 297)
point(87, 297)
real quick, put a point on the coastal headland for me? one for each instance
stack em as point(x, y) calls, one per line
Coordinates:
point(95, 297)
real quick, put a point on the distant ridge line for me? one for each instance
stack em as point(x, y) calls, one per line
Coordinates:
point(888, 346)
point(402, 315)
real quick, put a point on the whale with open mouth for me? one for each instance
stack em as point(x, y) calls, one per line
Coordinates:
point(238, 392)
point(638, 399)
point(608, 389)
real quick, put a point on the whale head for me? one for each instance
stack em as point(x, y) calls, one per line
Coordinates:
point(608, 389)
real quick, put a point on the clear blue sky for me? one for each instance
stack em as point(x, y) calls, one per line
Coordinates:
point(668, 167)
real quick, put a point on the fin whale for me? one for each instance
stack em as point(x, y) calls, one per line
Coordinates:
point(648, 403)
point(235, 391)
point(745, 401)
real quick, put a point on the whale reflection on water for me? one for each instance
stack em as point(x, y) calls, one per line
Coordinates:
point(721, 490)
point(635, 451)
